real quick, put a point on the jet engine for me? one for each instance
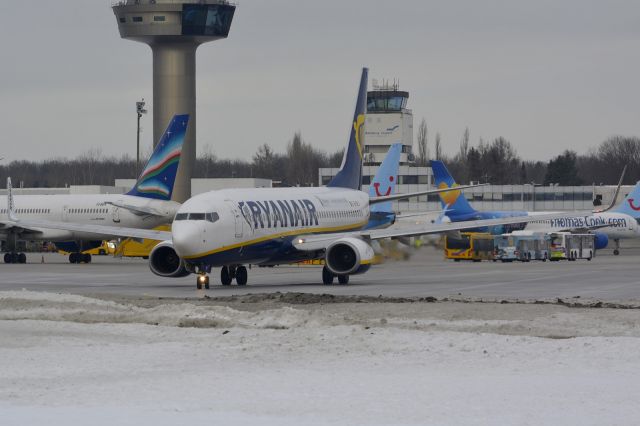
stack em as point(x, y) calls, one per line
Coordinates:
point(349, 256)
point(601, 240)
point(165, 262)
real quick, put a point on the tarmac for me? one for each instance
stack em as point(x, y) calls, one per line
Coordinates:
point(426, 274)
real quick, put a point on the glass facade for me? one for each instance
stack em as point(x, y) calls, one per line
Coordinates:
point(207, 20)
point(386, 103)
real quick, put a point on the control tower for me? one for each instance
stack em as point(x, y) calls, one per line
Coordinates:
point(174, 29)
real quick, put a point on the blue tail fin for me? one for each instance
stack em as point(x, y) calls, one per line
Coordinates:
point(631, 203)
point(454, 201)
point(159, 175)
point(350, 173)
point(384, 182)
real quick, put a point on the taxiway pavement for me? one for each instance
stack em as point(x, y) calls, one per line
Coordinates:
point(607, 277)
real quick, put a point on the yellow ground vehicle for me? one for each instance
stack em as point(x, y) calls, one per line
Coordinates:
point(476, 246)
point(135, 248)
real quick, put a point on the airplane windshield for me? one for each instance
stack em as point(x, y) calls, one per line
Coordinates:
point(210, 217)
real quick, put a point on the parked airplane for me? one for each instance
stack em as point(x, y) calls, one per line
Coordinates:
point(147, 205)
point(618, 223)
point(232, 228)
point(384, 184)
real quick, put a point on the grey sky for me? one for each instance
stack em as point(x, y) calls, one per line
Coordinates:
point(547, 75)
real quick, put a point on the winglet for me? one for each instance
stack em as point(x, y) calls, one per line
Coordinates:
point(10, 204)
point(614, 201)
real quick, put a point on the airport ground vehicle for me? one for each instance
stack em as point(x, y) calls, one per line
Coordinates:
point(565, 245)
point(475, 246)
point(522, 246)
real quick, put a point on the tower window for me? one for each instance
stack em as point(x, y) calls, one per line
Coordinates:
point(137, 19)
point(122, 19)
point(158, 18)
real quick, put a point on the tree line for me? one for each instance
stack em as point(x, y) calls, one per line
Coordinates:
point(497, 162)
point(494, 161)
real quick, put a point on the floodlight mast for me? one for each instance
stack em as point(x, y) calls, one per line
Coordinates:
point(174, 29)
point(140, 111)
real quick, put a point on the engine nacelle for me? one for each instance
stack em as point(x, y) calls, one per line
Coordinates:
point(601, 241)
point(165, 262)
point(349, 256)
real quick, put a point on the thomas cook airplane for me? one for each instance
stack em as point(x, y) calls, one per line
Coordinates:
point(232, 228)
point(147, 205)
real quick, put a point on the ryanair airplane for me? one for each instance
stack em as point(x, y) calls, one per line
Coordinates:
point(232, 228)
point(147, 205)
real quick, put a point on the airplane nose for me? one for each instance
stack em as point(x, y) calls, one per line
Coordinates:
point(187, 238)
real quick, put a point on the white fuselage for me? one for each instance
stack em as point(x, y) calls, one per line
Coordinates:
point(614, 225)
point(256, 226)
point(84, 209)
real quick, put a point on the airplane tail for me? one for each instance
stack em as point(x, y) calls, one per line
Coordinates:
point(454, 201)
point(159, 175)
point(631, 204)
point(384, 182)
point(350, 173)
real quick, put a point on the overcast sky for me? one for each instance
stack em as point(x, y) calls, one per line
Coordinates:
point(546, 75)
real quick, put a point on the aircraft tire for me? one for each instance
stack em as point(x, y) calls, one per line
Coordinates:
point(327, 276)
point(616, 252)
point(85, 258)
point(225, 276)
point(22, 258)
point(343, 279)
point(241, 275)
point(7, 258)
point(73, 257)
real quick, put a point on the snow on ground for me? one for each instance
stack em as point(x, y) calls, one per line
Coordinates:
point(78, 360)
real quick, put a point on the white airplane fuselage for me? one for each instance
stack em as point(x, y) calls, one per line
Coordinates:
point(257, 226)
point(85, 209)
point(614, 225)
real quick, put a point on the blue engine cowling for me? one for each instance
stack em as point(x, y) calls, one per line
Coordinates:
point(601, 240)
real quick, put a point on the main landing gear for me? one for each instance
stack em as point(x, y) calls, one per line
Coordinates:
point(227, 275)
point(328, 276)
point(14, 257)
point(79, 258)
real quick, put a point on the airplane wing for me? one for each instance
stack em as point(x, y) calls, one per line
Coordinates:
point(116, 231)
point(375, 200)
point(320, 241)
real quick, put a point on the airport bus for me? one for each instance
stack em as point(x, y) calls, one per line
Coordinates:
point(565, 245)
point(475, 246)
point(522, 246)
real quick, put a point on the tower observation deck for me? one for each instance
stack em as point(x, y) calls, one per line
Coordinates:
point(174, 29)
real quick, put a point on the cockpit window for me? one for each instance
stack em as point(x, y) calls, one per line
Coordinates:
point(211, 217)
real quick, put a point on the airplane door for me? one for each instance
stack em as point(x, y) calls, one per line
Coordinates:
point(65, 213)
point(239, 220)
point(115, 214)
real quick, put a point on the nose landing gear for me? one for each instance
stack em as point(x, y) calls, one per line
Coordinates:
point(202, 281)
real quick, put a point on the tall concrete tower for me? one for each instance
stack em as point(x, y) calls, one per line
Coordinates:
point(174, 29)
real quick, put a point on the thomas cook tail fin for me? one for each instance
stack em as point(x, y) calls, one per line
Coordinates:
point(384, 182)
point(454, 201)
point(631, 203)
point(350, 173)
point(159, 175)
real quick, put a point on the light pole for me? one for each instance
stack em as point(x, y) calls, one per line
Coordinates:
point(140, 111)
point(533, 195)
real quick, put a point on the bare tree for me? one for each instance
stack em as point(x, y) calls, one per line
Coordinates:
point(423, 143)
point(438, 147)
